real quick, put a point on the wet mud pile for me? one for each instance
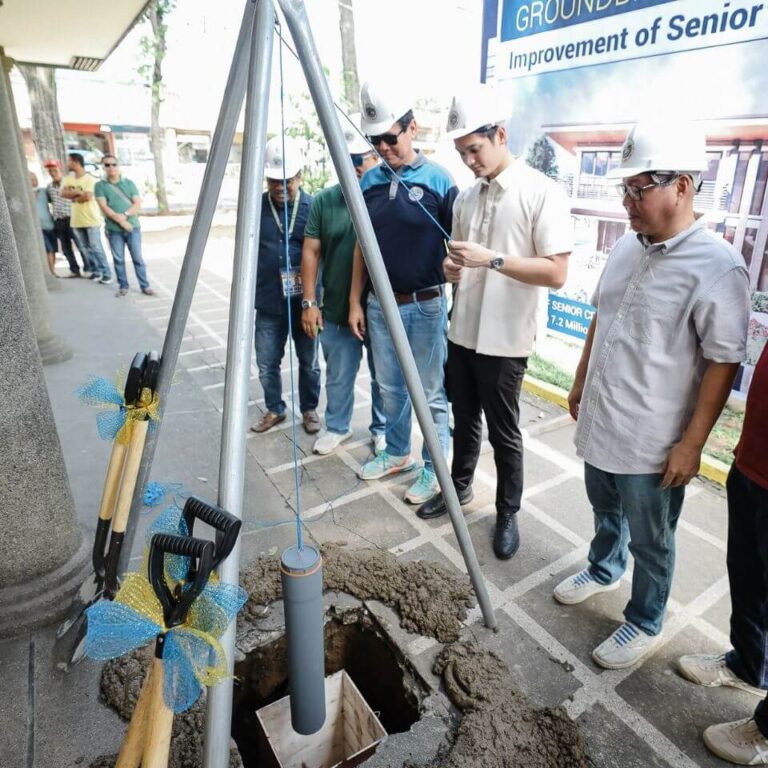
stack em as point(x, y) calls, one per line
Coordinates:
point(430, 599)
point(499, 727)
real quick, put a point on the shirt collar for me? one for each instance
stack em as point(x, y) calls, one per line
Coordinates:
point(675, 240)
point(417, 161)
point(504, 179)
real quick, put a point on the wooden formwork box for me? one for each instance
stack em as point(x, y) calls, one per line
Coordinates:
point(350, 734)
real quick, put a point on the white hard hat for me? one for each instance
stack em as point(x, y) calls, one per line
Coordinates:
point(380, 109)
point(477, 109)
point(356, 144)
point(670, 146)
point(277, 165)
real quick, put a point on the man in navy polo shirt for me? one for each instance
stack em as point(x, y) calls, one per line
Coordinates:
point(277, 283)
point(409, 200)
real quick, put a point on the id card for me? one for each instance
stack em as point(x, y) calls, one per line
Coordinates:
point(292, 285)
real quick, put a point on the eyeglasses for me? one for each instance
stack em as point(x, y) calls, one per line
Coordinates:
point(390, 139)
point(359, 159)
point(110, 165)
point(636, 193)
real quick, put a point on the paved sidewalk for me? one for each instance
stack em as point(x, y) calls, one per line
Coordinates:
point(646, 716)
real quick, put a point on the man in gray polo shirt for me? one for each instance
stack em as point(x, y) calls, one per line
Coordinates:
point(657, 367)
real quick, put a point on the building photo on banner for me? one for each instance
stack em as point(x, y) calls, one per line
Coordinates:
point(583, 71)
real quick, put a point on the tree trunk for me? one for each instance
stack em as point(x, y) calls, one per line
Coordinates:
point(348, 52)
point(155, 13)
point(46, 122)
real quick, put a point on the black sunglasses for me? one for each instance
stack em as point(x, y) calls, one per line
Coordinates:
point(110, 165)
point(359, 158)
point(390, 139)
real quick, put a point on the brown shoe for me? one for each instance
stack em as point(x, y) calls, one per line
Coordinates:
point(268, 420)
point(311, 422)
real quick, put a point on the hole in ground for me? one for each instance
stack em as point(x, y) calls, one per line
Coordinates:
point(375, 665)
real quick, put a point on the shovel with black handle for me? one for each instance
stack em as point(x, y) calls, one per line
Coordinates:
point(110, 581)
point(147, 740)
point(91, 588)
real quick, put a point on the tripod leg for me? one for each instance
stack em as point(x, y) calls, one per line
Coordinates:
point(239, 352)
point(296, 17)
point(221, 145)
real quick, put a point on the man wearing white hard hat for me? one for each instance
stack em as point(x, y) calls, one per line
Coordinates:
point(329, 240)
point(512, 234)
point(410, 200)
point(657, 367)
point(277, 283)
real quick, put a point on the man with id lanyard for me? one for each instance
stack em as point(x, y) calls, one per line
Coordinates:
point(276, 284)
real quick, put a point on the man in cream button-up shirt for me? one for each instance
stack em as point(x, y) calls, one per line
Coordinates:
point(512, 234)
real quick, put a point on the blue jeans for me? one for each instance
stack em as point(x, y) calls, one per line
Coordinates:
point(343, 352)
point(117, 243)
point(425, 324)
point(633, 513)
point(269, 339)
point(89, 243)
point(748, 577)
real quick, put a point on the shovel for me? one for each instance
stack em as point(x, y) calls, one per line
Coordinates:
point(131, 472)
point(109, 579)
point(148, 738)
point(227, 526)
point(91, 588)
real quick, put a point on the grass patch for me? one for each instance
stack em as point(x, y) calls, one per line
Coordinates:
point(722, 440)
point(553, 374)
point(725, 434)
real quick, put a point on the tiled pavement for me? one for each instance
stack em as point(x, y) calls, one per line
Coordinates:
point(646, 716)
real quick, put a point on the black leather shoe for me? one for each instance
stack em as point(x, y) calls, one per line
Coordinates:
point(436, 506)
point(506, 539)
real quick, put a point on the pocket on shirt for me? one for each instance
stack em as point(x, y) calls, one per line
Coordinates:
point(651, 323)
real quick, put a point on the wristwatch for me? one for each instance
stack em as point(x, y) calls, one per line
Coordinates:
point(497, 262)
point(308, 303)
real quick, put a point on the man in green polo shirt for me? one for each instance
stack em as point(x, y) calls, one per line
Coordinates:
point(119, 201)
point(329, 238)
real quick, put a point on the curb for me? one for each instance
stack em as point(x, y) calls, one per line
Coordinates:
point(711, 468)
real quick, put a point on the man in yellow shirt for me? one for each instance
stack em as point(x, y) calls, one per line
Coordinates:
point(86, 220)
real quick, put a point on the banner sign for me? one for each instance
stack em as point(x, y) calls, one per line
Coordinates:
point(538, 36)
point(568, 316)
point(577, 74)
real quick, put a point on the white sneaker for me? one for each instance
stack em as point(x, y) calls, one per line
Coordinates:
point(384, 465)
point(625, 647)
point(580, 586)
point(739, 742)
point(379, 444)
point(425, 487)
point(329, 442)
point(712, 672)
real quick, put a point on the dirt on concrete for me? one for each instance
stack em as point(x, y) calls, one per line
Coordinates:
point(121, 681)
point(430, 599)
point(499, 727)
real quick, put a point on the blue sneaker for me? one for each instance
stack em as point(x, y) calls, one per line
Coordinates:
point(425, 487)
point(384, 465)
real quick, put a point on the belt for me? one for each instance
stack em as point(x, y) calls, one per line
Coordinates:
point(409, 298)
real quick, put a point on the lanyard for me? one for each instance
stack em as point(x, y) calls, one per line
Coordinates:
point(294, 212)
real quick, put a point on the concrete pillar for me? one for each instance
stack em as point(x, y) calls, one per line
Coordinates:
point(29, 242)
point(43, 558)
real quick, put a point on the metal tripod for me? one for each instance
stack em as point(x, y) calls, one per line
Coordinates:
point(252, 62)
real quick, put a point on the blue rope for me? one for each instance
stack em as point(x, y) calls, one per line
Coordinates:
point(360, 133)
point(286, 240)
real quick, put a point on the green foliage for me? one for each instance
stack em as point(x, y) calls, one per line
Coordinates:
point(542, 157)
point(304, 126)
point(153, 45)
